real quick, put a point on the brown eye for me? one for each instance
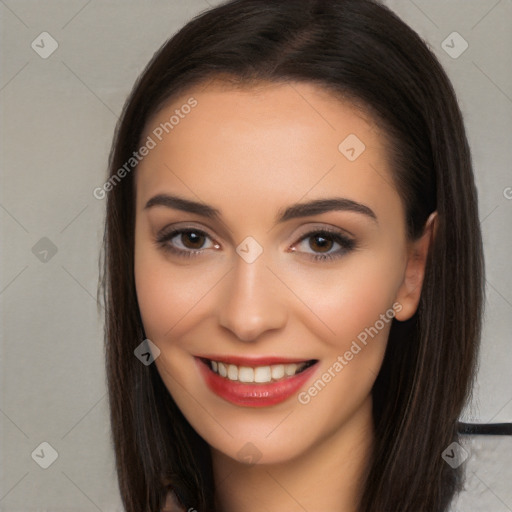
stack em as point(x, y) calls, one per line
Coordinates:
point(321, 243)
point(185, 242)
point(192, 240)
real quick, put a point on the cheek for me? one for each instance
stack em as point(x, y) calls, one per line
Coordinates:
point(166, 293)
point(152, 293)
point(164, 299)
point(351, 299)
point(356, 304)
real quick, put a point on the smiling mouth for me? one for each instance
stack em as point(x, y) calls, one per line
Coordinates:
point(257, 374)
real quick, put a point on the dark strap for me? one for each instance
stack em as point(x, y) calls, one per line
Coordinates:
point(486, 429)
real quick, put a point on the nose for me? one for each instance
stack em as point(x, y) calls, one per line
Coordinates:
point(253, 301)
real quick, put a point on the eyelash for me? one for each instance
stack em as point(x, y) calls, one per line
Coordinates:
point(347, 244)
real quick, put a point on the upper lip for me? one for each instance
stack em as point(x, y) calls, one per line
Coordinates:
point(253, 361)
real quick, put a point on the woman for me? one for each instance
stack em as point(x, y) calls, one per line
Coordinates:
point(293, 253)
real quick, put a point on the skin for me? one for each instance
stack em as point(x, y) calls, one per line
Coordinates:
point(251, 152)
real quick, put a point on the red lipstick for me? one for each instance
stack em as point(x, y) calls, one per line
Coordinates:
point(253, 361)
point(253, 394)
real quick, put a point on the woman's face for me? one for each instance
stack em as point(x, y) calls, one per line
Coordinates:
point(259, 287)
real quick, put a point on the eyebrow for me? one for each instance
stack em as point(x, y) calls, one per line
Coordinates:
point(294, 211)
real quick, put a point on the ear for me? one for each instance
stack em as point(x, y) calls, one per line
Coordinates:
point(409, 293)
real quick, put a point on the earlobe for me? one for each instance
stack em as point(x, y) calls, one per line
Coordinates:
point(410, 290)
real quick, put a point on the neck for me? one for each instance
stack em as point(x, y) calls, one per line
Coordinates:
point(326, 476)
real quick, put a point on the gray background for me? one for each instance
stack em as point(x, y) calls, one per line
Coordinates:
point(58, 117)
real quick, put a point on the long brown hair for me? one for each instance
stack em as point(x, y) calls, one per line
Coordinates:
point(362, 51)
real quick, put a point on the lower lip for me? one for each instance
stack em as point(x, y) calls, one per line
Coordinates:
point(254, 395)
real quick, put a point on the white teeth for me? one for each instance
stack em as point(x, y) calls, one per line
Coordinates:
point(277, 371)
point(259, 374)
point(262, 374)
point(246, 374)
point(223, 372)
point(290, 369)
point(232, 372)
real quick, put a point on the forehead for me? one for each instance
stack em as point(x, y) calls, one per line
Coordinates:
point(254, 145)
